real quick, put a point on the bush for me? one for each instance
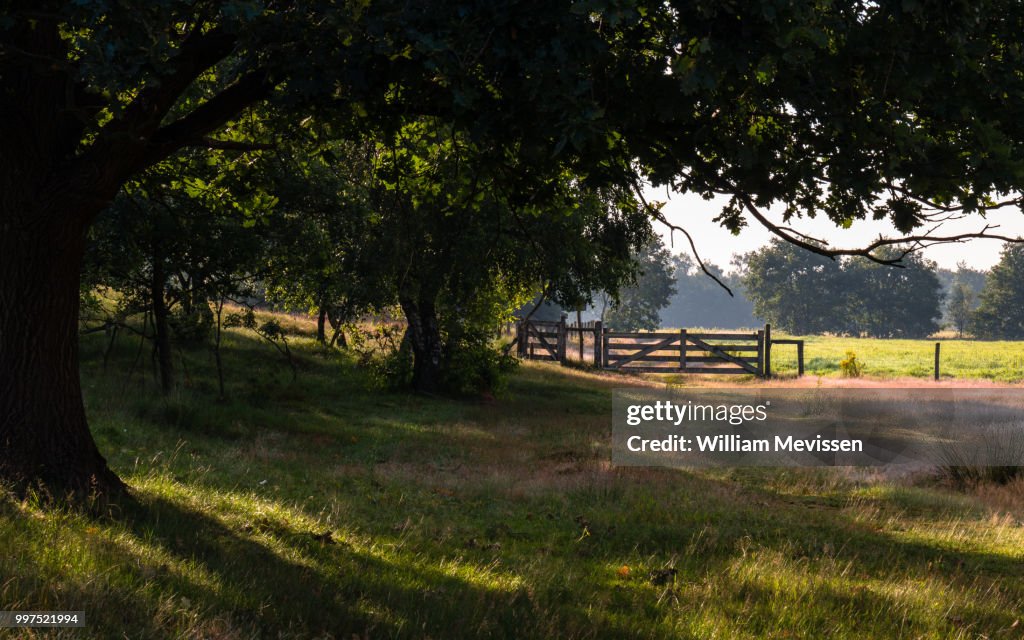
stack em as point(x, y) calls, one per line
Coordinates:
point(476, 368)
point(191, 327)
point(472, 364)
point(381, 353)
point(850, 367)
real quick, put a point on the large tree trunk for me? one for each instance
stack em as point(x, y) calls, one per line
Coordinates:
point(424, 335)
point(44, 437)
point(54, 179)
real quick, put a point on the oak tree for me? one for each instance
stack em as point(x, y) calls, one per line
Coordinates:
point(850, 110)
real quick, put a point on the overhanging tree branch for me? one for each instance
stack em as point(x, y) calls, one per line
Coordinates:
point(207, 117)
point(198, 52)
point(939, 207)
point(231, 145)
point(660, 217)
point(137, 138)
point(913, 243)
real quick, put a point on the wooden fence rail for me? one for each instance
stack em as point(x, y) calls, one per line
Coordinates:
point(799, 352)
point(682, 351)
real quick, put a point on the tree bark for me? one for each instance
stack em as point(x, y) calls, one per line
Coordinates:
point(162, 328)
point(53, 182)
point(338, 336)
point(321, 325)
point(424, 335)
point(44, 437)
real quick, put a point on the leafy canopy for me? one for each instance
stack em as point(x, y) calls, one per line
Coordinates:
point(852, 109)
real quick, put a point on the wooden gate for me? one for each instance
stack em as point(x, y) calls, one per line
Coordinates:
point(685, 352)
point(538, 340)
point(679, 351)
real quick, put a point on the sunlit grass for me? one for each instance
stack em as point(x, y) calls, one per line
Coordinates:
point(960, 359)
point(1001, 361)
point(326, 508)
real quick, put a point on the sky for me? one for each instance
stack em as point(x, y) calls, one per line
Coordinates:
point(717, 245)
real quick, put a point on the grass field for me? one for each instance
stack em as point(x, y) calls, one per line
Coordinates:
point(1001, 361)
point(996, 360)
point(326, 509)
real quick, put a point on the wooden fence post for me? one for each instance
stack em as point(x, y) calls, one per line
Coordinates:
point(563, 339)
point(800, 358)
point(579, 329)
point(767, 351)
point(682, 349)
point(521, 338)
point(598, 344)
point(937, 345)
point(760, 352)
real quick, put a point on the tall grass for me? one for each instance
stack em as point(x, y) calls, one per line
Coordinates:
point(992, 453)
point(326, 508)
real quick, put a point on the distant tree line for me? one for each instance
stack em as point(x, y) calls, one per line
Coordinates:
point(670, 290)
point(1000, 312)
point(804, 293)
point(699, 301)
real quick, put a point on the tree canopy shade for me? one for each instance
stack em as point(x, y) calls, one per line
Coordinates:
point(899, 110)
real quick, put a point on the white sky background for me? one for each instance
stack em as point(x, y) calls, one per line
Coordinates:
point(717, 245)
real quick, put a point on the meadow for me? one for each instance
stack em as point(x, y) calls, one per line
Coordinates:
point(882, 359)
point(996, 360)
point(330, 508)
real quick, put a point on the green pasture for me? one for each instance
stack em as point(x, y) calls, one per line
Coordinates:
point(1001, 361)
point(325, 508)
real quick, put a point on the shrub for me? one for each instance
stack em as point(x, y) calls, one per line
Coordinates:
point(472, 363)
point(191, 327)
point(476, 367)
point(381, 352)
point(850, 367)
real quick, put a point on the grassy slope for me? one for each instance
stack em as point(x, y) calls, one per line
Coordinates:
point(500, 519)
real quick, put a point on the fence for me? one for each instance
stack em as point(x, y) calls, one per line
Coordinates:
point(680, 351)
point(539, 340)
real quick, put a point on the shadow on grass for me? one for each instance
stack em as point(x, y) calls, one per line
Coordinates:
point(283, 581)
point(312, 587)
